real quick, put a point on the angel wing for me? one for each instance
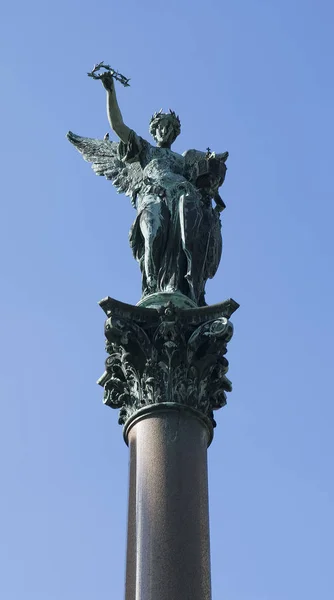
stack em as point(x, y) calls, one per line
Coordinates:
point(104, 156)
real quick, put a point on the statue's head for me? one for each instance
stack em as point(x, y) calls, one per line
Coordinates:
point(165, 127)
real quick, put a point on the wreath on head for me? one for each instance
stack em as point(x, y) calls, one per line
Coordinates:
point(171, 116)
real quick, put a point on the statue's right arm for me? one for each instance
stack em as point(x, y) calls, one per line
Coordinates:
point(114, 114)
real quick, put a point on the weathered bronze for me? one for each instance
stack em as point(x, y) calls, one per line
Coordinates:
point(176, 236)
point(160, 357)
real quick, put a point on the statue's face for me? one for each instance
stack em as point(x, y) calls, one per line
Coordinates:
point(164, 133)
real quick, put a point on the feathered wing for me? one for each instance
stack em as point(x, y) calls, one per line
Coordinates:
point(103, 154)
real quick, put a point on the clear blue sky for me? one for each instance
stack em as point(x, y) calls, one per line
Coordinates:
point(254, 77)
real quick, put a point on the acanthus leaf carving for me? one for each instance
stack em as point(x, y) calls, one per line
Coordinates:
point(170, 356)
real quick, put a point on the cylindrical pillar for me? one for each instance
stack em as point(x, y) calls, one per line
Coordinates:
point(168, 553)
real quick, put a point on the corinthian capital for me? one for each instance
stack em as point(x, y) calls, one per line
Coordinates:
point(166, 357)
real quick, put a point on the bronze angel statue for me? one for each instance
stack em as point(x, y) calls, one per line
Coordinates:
point(176, 236)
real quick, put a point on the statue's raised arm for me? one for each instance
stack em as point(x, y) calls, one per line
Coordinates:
point(113, 111)
point(108, 77)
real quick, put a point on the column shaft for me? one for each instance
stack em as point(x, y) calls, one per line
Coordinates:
point(168, 554)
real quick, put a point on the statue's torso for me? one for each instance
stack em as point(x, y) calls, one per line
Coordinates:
point(163, 164)
point(163, 174)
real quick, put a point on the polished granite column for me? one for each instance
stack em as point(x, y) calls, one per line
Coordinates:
point(168, 550)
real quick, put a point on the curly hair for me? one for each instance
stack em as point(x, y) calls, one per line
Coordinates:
point(171, 116)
